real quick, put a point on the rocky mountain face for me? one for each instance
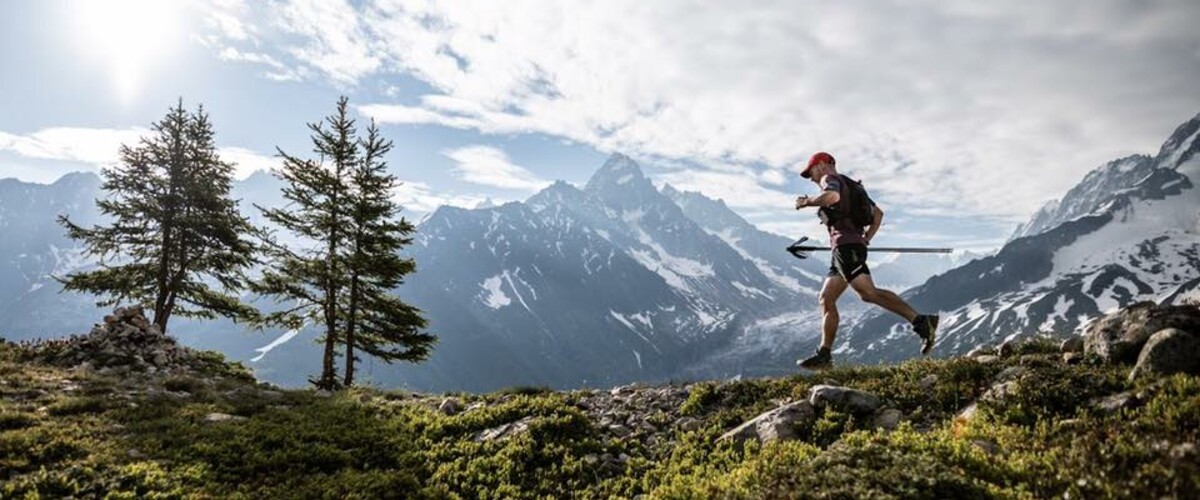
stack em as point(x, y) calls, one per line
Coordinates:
point(602, 285)
point(1129, 232)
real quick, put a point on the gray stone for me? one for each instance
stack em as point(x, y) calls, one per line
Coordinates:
point(979, 351)
point(1007, 348)
point(213, 418)
point(1115, 402)
point(844, 399)
point(999, 392)
point(1010, 373)
point(987, 359)
point(619, 430)
point(928, 382)
point(1119, 337)
point(888, 419)
point(449, 406)
point(688, 424)
point(986, 446)
point(968, 413)
point(504, 431)
point(1072, 358)
point(1168, 352)
point(1071, 344)
point(782, 423)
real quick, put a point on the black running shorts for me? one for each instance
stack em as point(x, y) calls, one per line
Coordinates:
point(849, 261)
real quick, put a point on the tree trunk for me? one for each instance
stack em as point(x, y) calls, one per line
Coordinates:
point(351, 324)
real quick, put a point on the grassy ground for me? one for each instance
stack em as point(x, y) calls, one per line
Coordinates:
point(68, 433)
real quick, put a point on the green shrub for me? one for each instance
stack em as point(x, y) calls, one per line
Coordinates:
point(76, 406)
point(15, 420)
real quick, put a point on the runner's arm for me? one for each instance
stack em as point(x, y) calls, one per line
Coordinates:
point(876, 221)
point(824, 199)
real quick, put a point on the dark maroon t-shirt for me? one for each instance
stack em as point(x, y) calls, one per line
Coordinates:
point(844, 231)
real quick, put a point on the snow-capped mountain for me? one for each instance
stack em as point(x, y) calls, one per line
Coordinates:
point(1130, 231)
point(593, 286)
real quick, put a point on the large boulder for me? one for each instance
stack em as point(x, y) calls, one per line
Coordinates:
point(1169, 351)
point(1119, 337)
point(782, 423)
point(844, 399)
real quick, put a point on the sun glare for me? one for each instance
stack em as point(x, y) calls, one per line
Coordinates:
point(129, 37)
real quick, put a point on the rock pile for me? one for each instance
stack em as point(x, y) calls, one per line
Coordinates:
point(125, 342)
point(1161, 339)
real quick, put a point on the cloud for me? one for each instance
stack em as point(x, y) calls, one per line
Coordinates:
point(420, 198)
point(946, 106)
point(489, 166)
point(99, 147)
point(739, 191)
point(247, 161)
point(334, 39)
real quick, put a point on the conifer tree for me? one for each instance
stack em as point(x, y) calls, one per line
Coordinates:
point(176, 241)
point(314, 276)
point(378, 322)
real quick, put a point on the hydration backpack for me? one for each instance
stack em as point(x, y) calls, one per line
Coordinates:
point(855, 204)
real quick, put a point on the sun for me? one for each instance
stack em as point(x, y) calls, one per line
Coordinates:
point(130, 38)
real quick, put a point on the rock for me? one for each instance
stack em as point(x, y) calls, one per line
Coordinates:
point(591, 459)
point(999, 392)
point(1119, 337)
point(626, 389)
point(504, 431)
point(844, 399)
point(449, 406)
point(988, 447)
point(475, 406)
point(619, 430)
point(968, 413)
point(987, 359)
point(1167, 352)
point(1010, 373)
point(270, 394)
point(1071, 344)
point(322, 393)
point(888, 419)
point(979, 351)
point(222, 417)
point(1007, 348)
point(782, 423)
point(1115, 402)
point(688, 424)
point(1072, 358)
point(928, 382)
point(135, 453)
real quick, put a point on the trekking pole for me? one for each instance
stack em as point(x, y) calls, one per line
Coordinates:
point(801, 251)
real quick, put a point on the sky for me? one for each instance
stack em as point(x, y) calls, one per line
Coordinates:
point(961, 118)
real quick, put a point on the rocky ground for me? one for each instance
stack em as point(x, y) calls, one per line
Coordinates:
point(125, 412)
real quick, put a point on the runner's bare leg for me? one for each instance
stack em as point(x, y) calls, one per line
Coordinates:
point(865, 286)
point(830, 292)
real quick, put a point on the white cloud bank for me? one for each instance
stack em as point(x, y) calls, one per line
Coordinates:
point(982, 107)
point(99, 147)
point(490, 166)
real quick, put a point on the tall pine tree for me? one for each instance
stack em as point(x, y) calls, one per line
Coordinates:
point(377, 322)
point(315, 275)
point(343, 275)
point(176, 242)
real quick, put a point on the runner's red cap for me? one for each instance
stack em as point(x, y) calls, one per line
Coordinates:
point(820, 157)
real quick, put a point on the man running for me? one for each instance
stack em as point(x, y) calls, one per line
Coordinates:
point(849, 266)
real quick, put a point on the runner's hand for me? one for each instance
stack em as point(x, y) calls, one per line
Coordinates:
point(801, 202)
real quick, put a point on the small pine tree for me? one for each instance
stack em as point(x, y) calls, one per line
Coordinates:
point(177, 241)
point(378, 322)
